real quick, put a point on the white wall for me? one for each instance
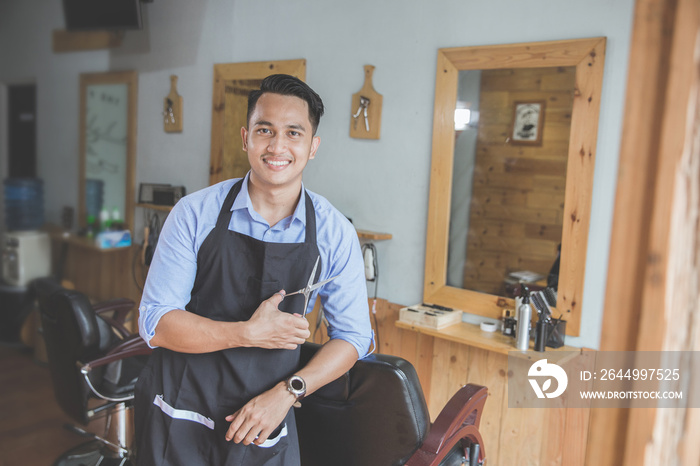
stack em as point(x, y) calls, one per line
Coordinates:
point(382, 185)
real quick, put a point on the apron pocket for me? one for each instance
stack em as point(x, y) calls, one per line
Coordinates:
point(273, 439)
point(182, 413)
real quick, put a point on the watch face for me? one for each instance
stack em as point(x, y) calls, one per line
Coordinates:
point(297, 384)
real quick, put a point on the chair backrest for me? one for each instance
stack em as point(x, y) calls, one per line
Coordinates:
point(375, 414)
point(72, 334)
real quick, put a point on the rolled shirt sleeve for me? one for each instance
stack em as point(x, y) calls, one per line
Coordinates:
point(173, 269)
point(344, 299)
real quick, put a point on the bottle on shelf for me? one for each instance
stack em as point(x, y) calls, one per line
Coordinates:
point(522, 340)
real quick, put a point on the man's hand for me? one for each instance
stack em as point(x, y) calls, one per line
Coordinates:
point(255, 421)
point(271, 328)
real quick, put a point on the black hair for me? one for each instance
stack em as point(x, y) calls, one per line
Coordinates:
point(284, 84)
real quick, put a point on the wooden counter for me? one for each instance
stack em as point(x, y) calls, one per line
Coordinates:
point(463, 353)
point(449, 358)
point(87, 243)
point(472, 335)
point(101, 274)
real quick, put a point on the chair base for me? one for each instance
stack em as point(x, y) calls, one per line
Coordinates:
point(91, 453)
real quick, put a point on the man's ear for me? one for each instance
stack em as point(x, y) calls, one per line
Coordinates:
point(315, 142)
point(244, 138)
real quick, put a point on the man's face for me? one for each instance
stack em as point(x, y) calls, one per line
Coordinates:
point(279, 140)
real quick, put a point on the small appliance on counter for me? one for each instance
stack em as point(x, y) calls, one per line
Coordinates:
point(26, 255)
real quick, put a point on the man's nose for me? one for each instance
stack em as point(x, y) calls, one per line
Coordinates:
point(276, 145)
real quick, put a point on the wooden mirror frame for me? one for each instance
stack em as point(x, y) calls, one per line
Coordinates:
point(239, 71)
point(587, 55)
point(130, 78)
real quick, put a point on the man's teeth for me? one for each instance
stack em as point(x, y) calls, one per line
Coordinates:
point(277, 163)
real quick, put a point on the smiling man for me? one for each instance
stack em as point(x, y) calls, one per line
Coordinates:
point(225, 373)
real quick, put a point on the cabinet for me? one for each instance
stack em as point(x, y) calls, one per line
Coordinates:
point(99, 273)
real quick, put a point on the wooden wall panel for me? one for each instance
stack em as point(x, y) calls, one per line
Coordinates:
point(516, 213)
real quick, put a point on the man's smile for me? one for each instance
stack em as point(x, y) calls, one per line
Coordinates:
point(277, 161)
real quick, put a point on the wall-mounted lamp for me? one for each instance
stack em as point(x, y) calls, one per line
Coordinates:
point(465, 117)
point(462, 117)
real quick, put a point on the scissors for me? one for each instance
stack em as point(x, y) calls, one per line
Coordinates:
point(310, 287)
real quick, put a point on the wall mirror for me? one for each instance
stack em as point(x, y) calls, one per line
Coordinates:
point(232, 83)
point(514, 137)
point(107, 145)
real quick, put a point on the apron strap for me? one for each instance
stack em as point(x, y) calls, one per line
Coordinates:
point(224, 218)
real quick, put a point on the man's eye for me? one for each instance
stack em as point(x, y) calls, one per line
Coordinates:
point(263, 130)
point(294, 133)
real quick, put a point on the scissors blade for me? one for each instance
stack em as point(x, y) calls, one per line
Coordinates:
point(306, 305)
point(320, 284)
point(313, 273)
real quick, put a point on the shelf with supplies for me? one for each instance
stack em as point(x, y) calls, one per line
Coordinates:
point(471, 335)
point(162, 208)
point(85, 242)
point(366, 234)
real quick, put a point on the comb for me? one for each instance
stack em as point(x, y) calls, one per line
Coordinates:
point(550, 296)
point(540, 304)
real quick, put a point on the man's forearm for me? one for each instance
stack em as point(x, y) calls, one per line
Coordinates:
point(332, 360)
point(185, 332)
point(268, 328)
point(265, 412)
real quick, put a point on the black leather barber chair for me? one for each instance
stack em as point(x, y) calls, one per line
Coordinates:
point(376, 415)
point(94, 363)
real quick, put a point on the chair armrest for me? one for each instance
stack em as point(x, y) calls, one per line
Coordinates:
point(121, 308)
point(459, 419)
point(134, 345)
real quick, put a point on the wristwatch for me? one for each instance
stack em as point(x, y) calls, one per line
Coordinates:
point(297, 387)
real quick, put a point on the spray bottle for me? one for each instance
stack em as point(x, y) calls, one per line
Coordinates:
point(522, 337)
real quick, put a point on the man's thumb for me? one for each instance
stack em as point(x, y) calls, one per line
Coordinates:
point(277, 298)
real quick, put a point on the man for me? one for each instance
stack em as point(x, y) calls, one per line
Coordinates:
point(225, 373)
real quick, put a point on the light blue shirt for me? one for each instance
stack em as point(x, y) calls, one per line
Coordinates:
point(174, 265)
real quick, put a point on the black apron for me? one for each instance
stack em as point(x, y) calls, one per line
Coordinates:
point(182, 399)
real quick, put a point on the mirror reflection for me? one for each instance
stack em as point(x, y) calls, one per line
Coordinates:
point(106, 149)
point(511, 143)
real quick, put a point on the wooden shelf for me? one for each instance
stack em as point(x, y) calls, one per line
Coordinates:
point(162, 208)
point(366, 234)
point(472, 335)
point(74, 41)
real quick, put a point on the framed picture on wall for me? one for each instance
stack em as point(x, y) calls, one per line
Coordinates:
point(528, 123)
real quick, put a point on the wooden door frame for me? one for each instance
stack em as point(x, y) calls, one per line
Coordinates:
point(653, 188)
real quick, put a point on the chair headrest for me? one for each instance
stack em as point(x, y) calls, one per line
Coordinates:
point(69, 307)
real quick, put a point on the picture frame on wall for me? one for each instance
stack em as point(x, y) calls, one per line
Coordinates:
point(528, 123)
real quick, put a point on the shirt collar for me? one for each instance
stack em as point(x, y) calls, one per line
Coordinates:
point(243, 201)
